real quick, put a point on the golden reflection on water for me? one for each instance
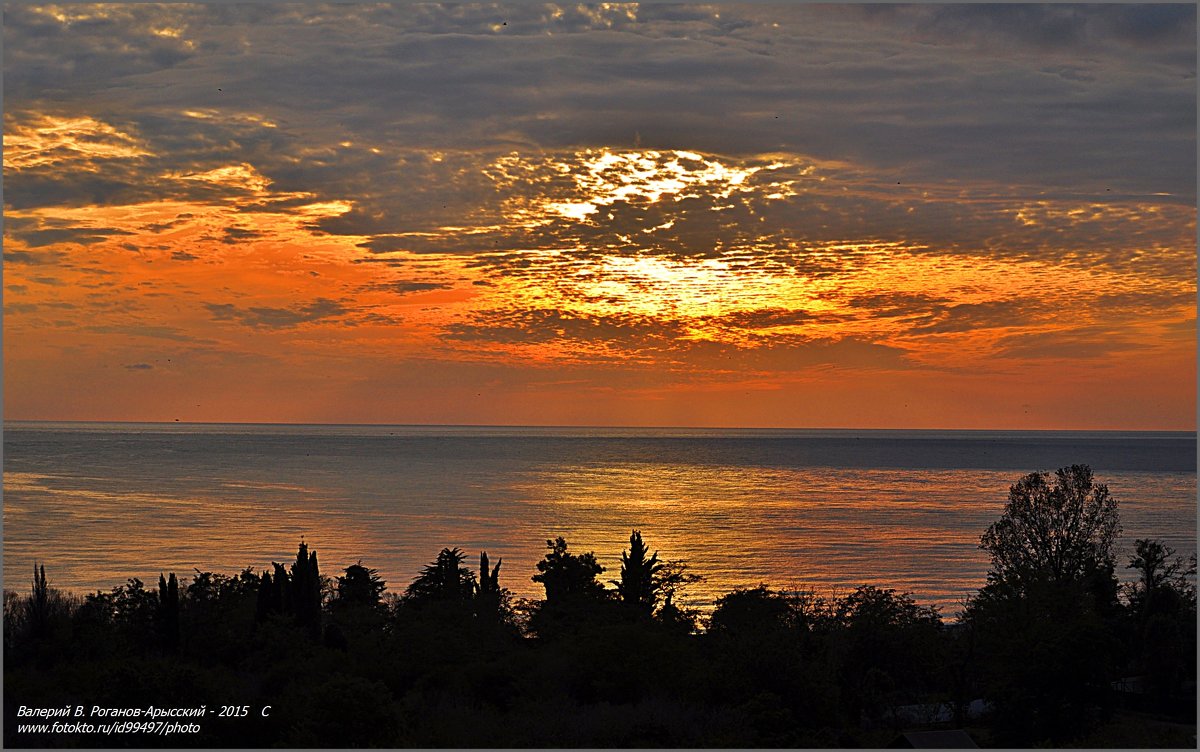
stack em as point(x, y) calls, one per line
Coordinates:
point(818, 528)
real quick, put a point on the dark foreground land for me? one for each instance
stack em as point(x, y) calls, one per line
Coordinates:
point(1051, 651)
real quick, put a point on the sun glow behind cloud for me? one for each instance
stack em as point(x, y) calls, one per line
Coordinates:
point(217, 242)
point(47, 140)
point(582, 186)
point(209, 267)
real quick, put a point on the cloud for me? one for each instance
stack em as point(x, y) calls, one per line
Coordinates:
point(1056, 28)
point(81, 235)
point(753, 135)
point(264, 317)
point(796, 353)
point(90, 45)
point(898, 303)
point(732, 81)
point(235, 235)
point(702, 188)
point(767, 318)
point(404, 287)
point(31, 258)
point(1076, 343)
point(120, 157)
point(152, 331)
point(969, 317)
point(632, 338)
point(139, 366)
point(631, 331)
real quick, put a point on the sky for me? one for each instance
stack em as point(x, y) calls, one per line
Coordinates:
point(926, 216)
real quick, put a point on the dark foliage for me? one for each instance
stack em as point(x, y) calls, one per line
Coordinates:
point(168, 611)
point(491, 601)
point(445, 580)
point(359, 587)
point(568, 576)
point(1045, 660)
point(889, 648)
point(305, 590)
point(638, 587)
point(750, 611)
point(1162, 602)
point(1060, 531)
point(1048, 633)
point(1164, 583)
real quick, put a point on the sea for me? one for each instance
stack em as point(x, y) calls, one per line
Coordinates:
point(820, 511)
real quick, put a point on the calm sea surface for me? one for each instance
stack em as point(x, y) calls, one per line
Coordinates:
point(824, 510)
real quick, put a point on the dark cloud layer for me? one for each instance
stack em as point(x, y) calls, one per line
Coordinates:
point(936, 124)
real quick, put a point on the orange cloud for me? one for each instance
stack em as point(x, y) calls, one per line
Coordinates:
point(230, 290)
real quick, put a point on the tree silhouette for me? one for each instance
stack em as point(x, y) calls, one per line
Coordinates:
point(1044, 658)
point(38, 610)
point(568, 576)
point(205, 589)
point(168, 611)
point(305, 590)
point(274, 595)
point(1163, 582)
point(752, 611)
point(671, 581)
point(774, 670)
point(360, 586)
point(1163, 600)
point(282, 593)
point(356, 605)
point(638, 587)
point(265, 602)
point(1057, 531)
point(488, 595)
point(888, 644)
point(135, 610)
point(1044, 623)
point(45, 610)
point(214, 609)
point(444, 580)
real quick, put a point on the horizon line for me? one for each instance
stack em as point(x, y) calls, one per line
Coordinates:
point(177, 422)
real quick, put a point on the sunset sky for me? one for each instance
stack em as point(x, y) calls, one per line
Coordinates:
point(745, 215)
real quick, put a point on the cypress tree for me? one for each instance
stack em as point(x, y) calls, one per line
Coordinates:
point(487, 594)
point(281, 600)
point(489, 582)
point(264, 600)
point(637, 586)
point(168, 611)
point(313, 599)
point(39, 602)
point(306, 590)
